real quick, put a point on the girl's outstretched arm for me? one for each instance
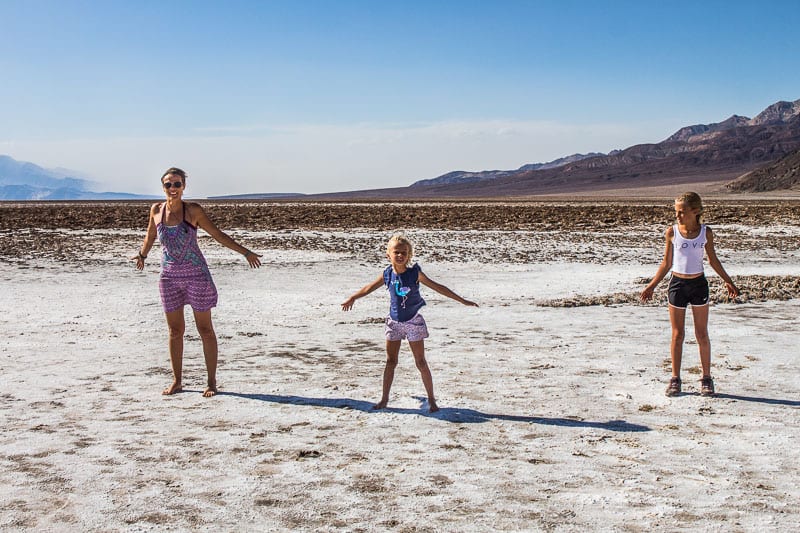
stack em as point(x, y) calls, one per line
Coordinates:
point(363, 291)
point(715, 263)
point(441, 289)
point(663, 268)
point(202, 221)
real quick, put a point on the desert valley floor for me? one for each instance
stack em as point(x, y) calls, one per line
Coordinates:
point(553, 415)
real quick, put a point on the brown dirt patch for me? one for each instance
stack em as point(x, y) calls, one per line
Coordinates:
point(265, 216)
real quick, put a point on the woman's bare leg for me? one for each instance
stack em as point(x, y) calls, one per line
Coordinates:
point(176, 326)
point(210, 349)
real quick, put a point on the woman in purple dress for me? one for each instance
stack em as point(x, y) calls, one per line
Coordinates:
point(185, 278)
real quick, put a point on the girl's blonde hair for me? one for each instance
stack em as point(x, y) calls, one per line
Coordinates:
point(401, 238)
point(693, 200)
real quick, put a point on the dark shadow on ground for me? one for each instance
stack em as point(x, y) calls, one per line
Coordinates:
point(770, 401)
point(458, 415)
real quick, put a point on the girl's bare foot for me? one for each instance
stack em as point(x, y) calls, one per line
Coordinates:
point(380, 405)
point(210, 391)
point(433, 407)
point(172, 389)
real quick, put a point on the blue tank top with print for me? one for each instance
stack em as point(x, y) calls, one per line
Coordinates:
point(405, 299)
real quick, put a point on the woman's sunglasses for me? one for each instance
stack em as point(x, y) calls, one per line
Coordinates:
point(176, 184)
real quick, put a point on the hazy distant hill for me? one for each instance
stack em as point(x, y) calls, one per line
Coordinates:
point(26, 192)
point(461, 176)
point(259, 196)
point(13, 172)
point(21, 180)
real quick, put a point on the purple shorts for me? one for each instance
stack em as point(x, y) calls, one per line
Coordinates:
point(198, 291)
point(413, 330)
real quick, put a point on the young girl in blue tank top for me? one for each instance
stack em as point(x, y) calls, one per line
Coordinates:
point(686, 243)
point(404, 321)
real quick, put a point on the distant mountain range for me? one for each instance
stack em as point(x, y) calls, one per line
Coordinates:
point(740, 154)
point(259, 196)
point(20, 180)
point(750, 155)
point(460, 176)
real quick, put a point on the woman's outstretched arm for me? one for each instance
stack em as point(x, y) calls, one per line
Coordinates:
point(198, 214)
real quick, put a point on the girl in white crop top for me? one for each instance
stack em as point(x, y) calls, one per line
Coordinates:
point(686, 243)
point(687, 254)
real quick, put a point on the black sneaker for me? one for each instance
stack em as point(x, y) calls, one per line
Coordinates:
point(707, 386)
point(674, 387)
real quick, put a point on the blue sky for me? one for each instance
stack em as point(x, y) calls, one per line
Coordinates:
point(315, 96)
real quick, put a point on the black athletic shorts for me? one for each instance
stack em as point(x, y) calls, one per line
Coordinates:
point(683, 292)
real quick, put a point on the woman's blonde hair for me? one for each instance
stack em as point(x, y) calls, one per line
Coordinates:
point(401, 238)
point(693, 200)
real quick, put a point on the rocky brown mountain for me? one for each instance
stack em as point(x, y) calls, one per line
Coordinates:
point(701, 153)
point(781, 175)
point(696, 154)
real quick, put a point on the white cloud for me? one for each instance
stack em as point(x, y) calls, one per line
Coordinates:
point(321, 158)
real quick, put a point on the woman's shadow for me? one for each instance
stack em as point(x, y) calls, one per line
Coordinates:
point(458, 415)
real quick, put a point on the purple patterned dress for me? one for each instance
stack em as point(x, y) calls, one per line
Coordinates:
point(185, 278)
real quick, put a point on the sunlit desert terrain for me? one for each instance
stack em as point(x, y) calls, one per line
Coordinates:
point(553, 415)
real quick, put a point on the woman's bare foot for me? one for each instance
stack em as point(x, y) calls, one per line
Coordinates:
point(210, 391)
point(175, 388)
point(433, 407)
point(380, 405)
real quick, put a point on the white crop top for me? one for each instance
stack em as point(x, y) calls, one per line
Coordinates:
point(687, 254)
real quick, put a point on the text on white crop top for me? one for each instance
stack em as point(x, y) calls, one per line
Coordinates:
point(687, 254)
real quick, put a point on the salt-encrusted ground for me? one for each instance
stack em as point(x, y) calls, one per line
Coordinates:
point(553, 418)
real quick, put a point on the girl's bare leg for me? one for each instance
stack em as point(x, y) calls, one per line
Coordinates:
point(210, 350)
point(392, 352)
point(700, 316)
point(677, 317)
point(176, 326)
point(418, 349)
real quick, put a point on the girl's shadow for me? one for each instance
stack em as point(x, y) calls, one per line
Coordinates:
point(459, 415)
